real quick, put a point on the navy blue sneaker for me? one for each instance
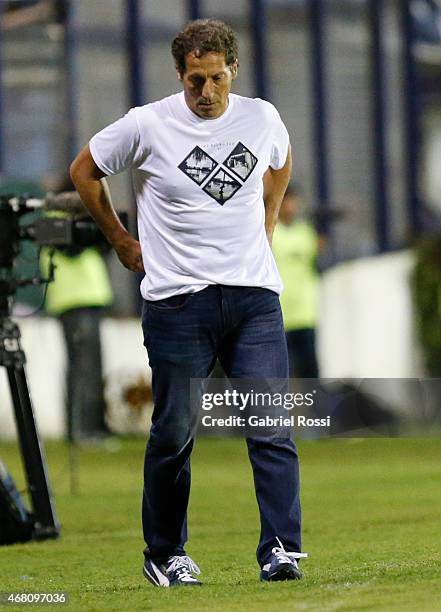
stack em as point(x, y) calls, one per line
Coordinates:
point(177, 571)
point(282, 565)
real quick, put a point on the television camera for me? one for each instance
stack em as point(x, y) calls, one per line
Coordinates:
point(66, 225)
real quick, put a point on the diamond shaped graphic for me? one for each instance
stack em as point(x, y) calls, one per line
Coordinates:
point(222, 186)
point(197, 165)
point(241, 161)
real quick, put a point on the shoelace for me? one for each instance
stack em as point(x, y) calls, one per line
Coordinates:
point(184, 566)
point(287, 557)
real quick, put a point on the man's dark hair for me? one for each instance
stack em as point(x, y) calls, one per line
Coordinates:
point(201, 37)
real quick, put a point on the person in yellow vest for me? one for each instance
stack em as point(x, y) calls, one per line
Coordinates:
point(78, 296)
point(295, 248)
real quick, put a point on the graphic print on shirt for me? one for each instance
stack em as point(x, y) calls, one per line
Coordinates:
point(241, 161)
point(220, 185)
point(198, 165)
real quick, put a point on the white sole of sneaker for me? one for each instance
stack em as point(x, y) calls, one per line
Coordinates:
point(284, 573)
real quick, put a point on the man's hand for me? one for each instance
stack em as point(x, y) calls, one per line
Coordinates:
point(275, 183)
point(129, 253)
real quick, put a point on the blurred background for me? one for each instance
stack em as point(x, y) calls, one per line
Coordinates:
point(358, 84)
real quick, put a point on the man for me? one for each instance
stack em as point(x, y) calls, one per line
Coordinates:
point(296, 248)
point(78, 296)
point(209, 171)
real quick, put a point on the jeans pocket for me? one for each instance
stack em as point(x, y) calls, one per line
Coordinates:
point(174, 302)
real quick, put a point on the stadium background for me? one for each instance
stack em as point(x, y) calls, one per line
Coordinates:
point(358, 84)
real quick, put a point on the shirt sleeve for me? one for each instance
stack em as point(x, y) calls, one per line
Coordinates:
point(118, 146)
point(280, 144)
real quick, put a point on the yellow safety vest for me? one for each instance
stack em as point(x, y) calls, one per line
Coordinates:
point(295, 249)
point(80, 281)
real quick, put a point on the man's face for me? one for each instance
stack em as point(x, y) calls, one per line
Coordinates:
point(207, 83)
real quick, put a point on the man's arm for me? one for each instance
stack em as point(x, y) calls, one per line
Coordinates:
point(275, 183)
point(95, 195)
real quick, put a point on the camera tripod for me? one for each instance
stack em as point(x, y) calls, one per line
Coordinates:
point(12, 357)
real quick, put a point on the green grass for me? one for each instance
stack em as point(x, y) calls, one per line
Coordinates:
point(371, 511)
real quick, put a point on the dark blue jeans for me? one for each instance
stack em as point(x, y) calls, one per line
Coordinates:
point(85, 401)
point(301, 353)
point(184, 335)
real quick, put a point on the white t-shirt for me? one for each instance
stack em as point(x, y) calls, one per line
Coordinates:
point(199, 191)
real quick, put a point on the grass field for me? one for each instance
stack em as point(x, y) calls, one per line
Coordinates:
point(371, 509)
